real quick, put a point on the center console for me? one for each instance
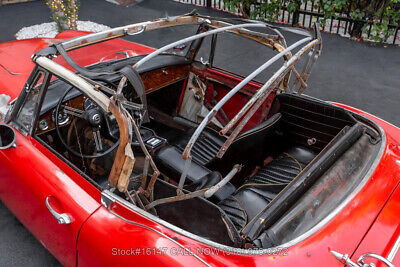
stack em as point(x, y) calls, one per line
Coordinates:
point(150, 139)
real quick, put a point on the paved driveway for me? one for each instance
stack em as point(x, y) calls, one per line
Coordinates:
point(360, 74)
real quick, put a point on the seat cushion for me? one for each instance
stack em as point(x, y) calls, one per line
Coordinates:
point(258, 191)
point(169, 160)
point(284, 168)
point(243, 205)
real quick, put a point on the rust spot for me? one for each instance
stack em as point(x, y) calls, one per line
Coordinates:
point(51, 41)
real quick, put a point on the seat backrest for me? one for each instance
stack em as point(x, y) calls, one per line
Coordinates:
point(257, 136)
point(248, 148)
point(304, 119)
point(210, 142)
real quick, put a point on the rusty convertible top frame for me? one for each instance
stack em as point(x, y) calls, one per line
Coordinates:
point(124, 160)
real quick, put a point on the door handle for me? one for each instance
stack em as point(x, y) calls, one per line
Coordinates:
point(62, 218)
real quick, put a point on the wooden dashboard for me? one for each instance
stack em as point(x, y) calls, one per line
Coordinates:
point(156, 79)
point(48, 117)
point(152, 80)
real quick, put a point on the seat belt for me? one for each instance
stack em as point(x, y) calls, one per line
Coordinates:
point(131, 74)
point(77, 67)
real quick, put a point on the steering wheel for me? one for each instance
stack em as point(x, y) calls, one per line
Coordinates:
point(93, 116)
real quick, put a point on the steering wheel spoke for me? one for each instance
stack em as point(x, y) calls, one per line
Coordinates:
point(73, 111)
point(92, 117)
point(97, 139)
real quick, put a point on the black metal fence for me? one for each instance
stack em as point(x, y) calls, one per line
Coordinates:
point(307, 14)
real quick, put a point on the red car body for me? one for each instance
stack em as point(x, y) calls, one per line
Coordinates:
point(97, 236)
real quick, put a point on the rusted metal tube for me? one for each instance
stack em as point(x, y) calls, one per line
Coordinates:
point(184, 174)
point(156, 172)
point(214, 110)
point(195, 37)
point(101, 99)
point(132, 29)
point(233, 91)
point(259, 92)
point(210, 192)
point(255, 102)
point(300, 79)
point(145, 171)
point(124, 159)
point(176, 198)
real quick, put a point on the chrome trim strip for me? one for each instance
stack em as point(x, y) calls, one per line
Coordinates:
point(393, 251)
point(9, 71)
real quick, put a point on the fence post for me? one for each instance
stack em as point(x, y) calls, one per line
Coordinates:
point(296, 14)
point(208, 3)
point(295, 20)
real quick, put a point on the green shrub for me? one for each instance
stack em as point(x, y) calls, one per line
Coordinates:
point(378, 13)
point(64, 13)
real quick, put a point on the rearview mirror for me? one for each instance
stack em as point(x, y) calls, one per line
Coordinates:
point(7, 136)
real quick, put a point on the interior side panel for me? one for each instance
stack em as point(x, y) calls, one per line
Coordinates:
point(308, 122)
point(219, 84)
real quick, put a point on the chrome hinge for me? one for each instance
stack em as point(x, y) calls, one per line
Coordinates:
point(345, 259)
point(107, 199)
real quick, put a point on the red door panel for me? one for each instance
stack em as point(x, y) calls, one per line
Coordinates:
point(220, 83)
point(27, 178)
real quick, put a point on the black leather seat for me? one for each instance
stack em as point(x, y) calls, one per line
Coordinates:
point(170, 162)
point(258, 191)
point(209, 142)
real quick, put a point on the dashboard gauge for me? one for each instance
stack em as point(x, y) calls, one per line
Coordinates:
point(43, 125)
point(89, 104)
point(63, 117)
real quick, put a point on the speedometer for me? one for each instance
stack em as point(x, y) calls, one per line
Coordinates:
point(63, 117)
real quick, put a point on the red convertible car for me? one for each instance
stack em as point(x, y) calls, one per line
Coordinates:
point(116, 153)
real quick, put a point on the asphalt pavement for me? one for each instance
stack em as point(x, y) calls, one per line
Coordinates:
point(363, 75)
